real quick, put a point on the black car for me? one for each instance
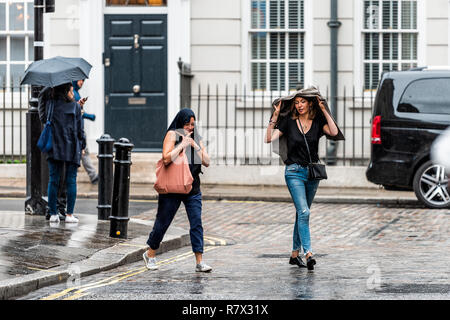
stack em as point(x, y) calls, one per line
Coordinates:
point(411, 109)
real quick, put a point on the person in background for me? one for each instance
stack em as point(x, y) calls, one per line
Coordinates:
point(85, 159)
point(68, 141)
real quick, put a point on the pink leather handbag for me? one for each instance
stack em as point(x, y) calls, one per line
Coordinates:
point(175, 177)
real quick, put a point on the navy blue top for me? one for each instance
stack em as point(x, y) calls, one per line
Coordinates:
point(67, 132)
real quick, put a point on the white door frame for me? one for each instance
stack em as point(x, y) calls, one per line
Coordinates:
point(92, 47)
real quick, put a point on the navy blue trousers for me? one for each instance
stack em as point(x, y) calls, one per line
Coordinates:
point(56, 169)
point(168, 205)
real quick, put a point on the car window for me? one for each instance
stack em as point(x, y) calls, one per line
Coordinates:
point(426, 96)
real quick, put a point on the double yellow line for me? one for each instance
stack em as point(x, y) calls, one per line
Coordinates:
point(213, 241)
point(78, 292)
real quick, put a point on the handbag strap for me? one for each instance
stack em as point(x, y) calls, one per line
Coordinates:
point(50, 110)
point(304, 137)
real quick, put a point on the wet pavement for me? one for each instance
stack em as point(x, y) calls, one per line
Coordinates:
point(32, 247)
point(362, 252)
point(85, 206)
point(30, 243)
point(249, 242)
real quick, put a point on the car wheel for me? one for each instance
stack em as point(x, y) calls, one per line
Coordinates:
point(430, 185)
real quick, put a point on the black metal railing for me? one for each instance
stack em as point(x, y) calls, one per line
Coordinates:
point(13, 109)
point(233, 122)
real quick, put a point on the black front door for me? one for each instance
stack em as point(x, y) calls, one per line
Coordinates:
point(136, 79)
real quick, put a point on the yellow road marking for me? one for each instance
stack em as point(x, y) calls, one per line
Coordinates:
point(211, 242)
point(75, 296)
point(38, 269)
point(66, 291)
point(116, 278)
point(221, 241)
point(143, 200)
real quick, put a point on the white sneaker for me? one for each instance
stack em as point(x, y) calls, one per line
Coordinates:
point(54, 218)
point(150, 263)
point(71, 219)
point(202, 267)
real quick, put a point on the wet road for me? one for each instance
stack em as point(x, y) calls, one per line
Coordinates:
point(87, 206)
point(363, 252)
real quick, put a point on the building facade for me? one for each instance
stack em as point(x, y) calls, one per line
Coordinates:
point(261, 47)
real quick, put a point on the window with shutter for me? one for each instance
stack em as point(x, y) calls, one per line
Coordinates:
point(277, 44)
point(389, 37)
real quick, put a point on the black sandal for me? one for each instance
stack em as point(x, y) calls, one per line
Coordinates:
point(297, 261)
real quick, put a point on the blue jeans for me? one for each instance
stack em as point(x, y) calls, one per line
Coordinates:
point(168, 205)
point(55, 170)
point(302, 192)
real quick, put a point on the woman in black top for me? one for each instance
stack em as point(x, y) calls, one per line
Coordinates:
point(181, 136)
point(308, 116)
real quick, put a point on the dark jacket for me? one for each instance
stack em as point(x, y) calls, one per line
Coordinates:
point(285, 111)
point(68, 133)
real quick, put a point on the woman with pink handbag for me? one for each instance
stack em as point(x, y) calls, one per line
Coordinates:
point(182, 149)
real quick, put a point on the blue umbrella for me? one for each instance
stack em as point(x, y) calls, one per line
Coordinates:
point(56, 71)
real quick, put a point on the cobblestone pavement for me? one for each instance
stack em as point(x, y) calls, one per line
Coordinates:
point(362, 251)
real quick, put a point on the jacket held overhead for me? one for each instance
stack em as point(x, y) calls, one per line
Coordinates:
point(285, 111)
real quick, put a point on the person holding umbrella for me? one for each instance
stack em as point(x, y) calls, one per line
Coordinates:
point(44, 96)
point(68, 142)
point(63, 116)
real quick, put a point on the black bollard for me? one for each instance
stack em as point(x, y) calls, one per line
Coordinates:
point(105, 176)
point(121, 191)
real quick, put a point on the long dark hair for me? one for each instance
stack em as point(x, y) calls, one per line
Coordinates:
point(312, 109)
point(61, 92)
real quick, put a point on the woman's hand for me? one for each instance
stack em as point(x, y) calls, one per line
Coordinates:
point(271, 133)
point(187, 140)
point(277, 109)
point(321, 105)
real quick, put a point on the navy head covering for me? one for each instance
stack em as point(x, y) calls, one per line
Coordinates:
point(181, 119)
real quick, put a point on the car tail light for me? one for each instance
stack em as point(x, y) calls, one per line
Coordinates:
point(376, 132)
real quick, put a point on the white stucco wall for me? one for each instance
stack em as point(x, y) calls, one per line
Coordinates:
point(62, 30)
point(213, 36)
point(216, 42)
point(437, 32)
